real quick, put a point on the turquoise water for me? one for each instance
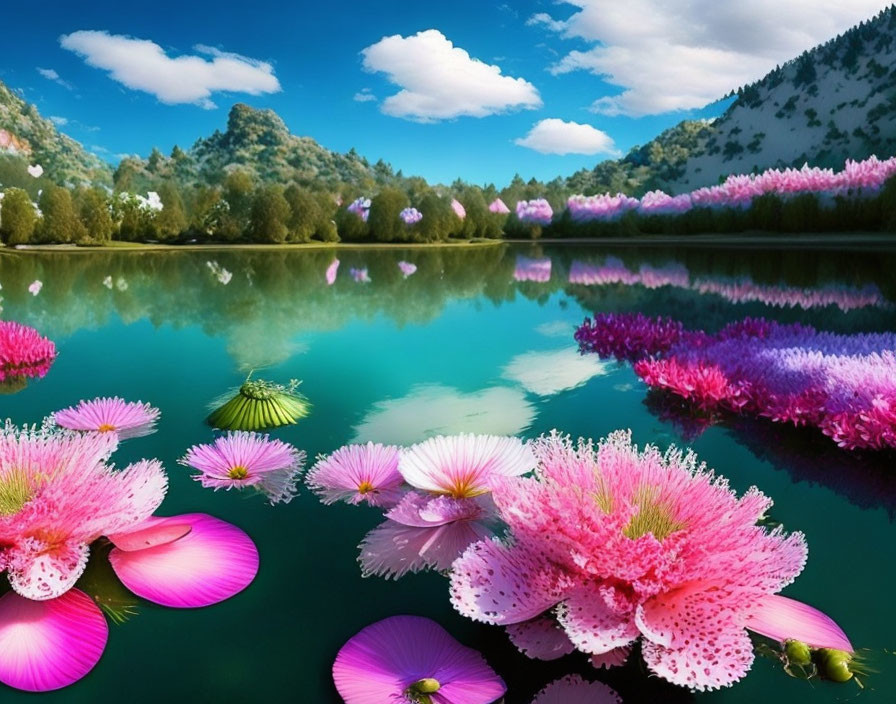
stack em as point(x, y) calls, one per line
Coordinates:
point(460, 345)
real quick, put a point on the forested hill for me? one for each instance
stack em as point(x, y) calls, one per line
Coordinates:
point(258, 143)
point(833, 102)
point(27, 138)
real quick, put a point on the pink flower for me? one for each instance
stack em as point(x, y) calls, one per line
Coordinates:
point(407, 268)
point(23, 352)
point(57, 496)
point(572, 689)
point(35, 287)
point(498, 206)
point(450, 507)
point(331, 272)
point(619, 545)
point(410, 659)
point(109, 415)
point(242, 459)
point(458, 209)
point(359, 473)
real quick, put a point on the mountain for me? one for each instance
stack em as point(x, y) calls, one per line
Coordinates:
point(834, 102)
point(27, 138)
point(259, 143)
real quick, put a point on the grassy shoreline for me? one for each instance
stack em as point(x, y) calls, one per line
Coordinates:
point(857, 240)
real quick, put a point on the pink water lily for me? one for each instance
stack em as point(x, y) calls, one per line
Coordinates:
point(109, 415)
point(411, 660)
point(448, 507)
point(612, 544)
point(23, 351)
point(58, 495)
point(359, 474)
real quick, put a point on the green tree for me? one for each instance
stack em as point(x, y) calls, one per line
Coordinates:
point(437, 219)
point(304, 214)
point(384, 221)
point(95, 216)
point(238, 189)
point(269, 215)
point(17, 217)
point(59, 222)
point(171, 221)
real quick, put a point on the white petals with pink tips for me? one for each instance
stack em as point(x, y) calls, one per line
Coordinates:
point(46, 645)
point(38, 571)
point(211, 563)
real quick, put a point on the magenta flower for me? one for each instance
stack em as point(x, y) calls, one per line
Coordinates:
point(23, 351)
point(450, 505)
point(331, 272)
point(412, 660)
point(359, 473)
point(242, 459)
point(109, 415)
point(407, 268)
point(618, 544)
point(57, 496)
point(572, 689)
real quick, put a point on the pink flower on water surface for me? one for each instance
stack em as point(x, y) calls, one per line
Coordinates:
point(572, 689)
point(359, 473)
point(412, 660)
point(407, 268)
point(449, 506)
point(331, 272)
point(57, 496)
point(35, 287)
point(109, 415)
point(23, 351)
point(612, 544)
point(242, 459)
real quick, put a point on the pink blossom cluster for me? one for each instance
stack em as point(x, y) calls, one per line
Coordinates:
point(410, 216)
point(739, 190)
point(602, 206)
point(736, 290)
point(360, 207)
point(537, 211)
point(608, 545)
point(23, 351)
point(498, 206)
point(532, 269)
point(845, 385)
point(458, 209)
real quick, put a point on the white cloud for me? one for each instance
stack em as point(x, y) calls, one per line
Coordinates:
point(681, 54)
point(557, 328)
point(143, 65)
point(553, 136)
point(58, 121)
point(432, 409)
point(550, 372)
point(440, 81)
point(51, 75)
point(364, 96)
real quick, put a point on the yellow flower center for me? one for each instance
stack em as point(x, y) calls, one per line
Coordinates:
point(365, 487)
point(106, 428)
point(15, 492)
point(238, 472)
point(654, 516)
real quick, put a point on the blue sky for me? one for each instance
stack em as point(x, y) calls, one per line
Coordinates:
point(588, 76)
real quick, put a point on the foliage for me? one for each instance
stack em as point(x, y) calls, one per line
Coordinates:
point(17, 217)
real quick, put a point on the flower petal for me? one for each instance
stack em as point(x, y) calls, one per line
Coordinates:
point(39, 572)
point(572, 689)
point(669, 619)
point(612, 658)
point(781, 619)
point(152, 532)
point(591, 626)
point(214, 561)
point(46, 645)
point(541, 638)
point(707, 662)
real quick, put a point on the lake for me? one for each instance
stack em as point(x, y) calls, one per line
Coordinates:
point(466, 343)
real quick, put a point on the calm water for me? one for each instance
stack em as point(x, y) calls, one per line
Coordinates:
point(460, 345)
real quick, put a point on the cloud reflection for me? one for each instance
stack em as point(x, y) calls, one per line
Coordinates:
point(549, 372)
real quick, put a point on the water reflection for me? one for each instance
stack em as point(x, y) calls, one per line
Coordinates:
point(549, 372)
point(432, 409)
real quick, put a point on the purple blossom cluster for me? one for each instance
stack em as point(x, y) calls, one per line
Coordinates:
point(537, 211)
point(410, 216)
point(845, 385)
point(527, 269)
point(360, 207)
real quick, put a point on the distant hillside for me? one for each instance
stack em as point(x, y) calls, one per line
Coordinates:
point(834, 102)
point(27, 137)
point(259, 143)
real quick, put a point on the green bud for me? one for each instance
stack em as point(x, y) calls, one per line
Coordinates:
point(427, 685)
point(798, 653)
point(834, 664)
